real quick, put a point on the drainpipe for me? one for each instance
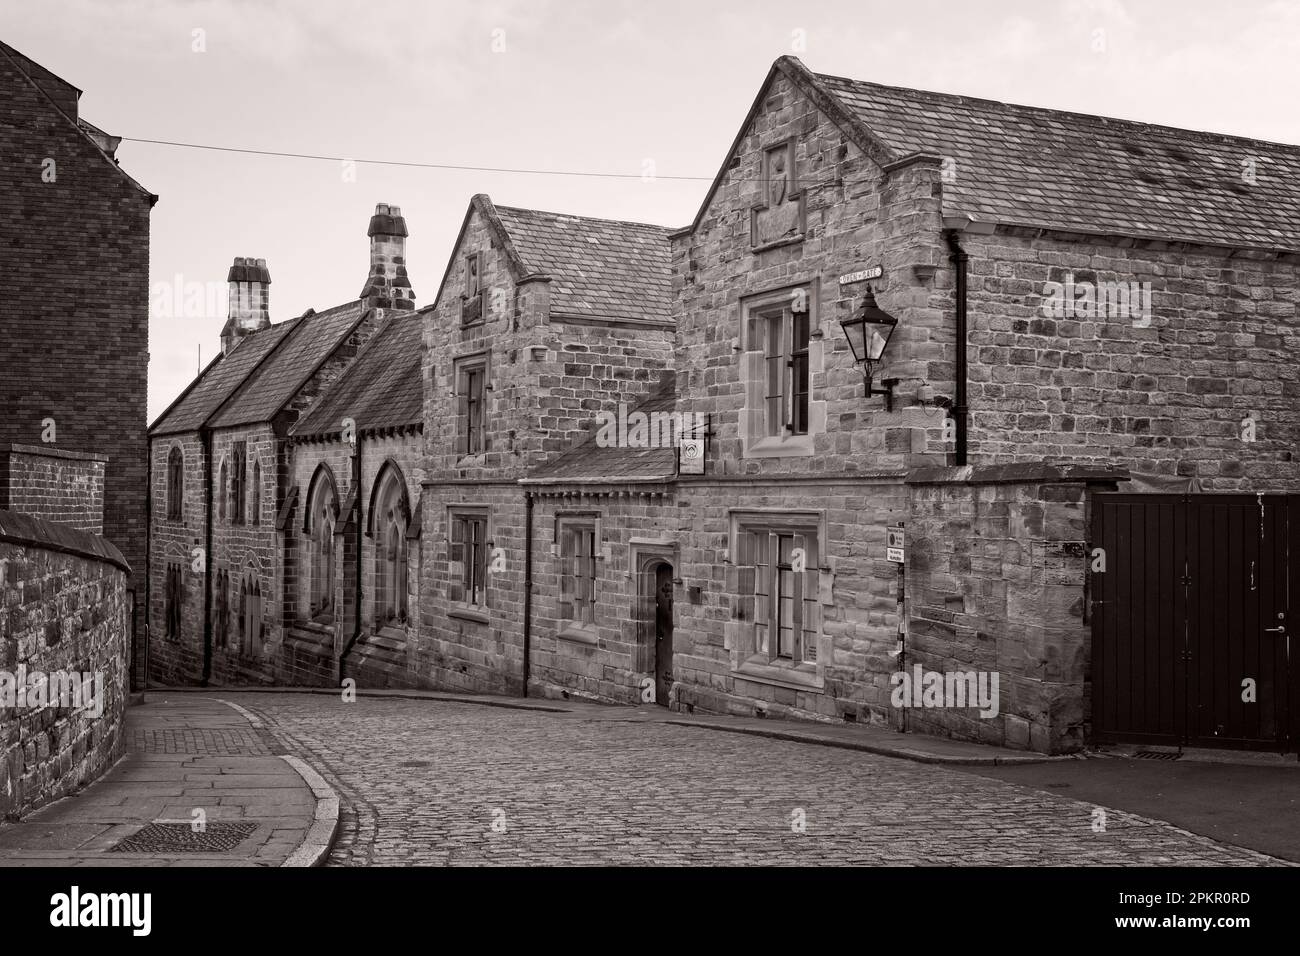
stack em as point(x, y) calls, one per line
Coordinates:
point(528, 584)
point(960, 410)
point(205, 436)
point(356, 627)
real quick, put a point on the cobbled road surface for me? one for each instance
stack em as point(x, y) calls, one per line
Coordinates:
point(436, 783)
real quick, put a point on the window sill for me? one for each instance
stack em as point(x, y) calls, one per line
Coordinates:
point(780, 446)
point(319, 625)
point(800, 676)
point(579, 634)
point(468, 612)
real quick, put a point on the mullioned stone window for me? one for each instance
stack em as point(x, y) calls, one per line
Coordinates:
point(779, 585)
point(471, 375)
point(390, 517)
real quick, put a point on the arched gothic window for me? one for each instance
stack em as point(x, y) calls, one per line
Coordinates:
point(222, 491)
point(389, 521)
point(255, 503)
point(175, 483)
point(322, 516)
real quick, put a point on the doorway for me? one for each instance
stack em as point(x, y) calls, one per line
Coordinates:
point(663, 632)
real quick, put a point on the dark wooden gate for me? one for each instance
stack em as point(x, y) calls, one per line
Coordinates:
point(1191, 620)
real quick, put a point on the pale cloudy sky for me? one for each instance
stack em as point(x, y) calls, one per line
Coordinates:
point(581, 85)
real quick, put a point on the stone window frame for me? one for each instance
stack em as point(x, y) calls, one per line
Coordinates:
point(749, 660)
point(221, 491)
point(221, 610)
point(569, 626)
point(176, 484)
point(463, 514)
point(252, 623)
point(320, 521)
point(389, 520)
point(472, 311)
point(255, 499)
point(464, 370)
point(238, 481)
point(755, 311)
point(174, 600)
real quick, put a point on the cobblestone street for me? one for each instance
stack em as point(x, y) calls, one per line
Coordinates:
point(435, 782)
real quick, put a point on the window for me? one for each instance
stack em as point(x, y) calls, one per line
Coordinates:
point(389, 517)
point(238, 469)
point(471, 302)
point(175, 600)
point(221, 611)
point(256, 502)
point(250, 615)
point(468, 557)
point(221, 493)
point(779, 581)
point(471, 391)
point(322, 513)
point(578, 541)
point(782, 349)
point(175, 483)
point(784, 335)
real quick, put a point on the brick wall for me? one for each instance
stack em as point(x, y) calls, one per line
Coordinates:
point(66, 609)
point(62, 486)
point(74, 303)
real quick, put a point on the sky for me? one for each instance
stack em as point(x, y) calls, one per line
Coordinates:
point(626, 87)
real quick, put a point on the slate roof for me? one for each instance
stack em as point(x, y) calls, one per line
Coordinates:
point(277, 379)
point(599, 267)
point(1040, 167)
point(382, 387)
point(219, 381)
point(589, 462)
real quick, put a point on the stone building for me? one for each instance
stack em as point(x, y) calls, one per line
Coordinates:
point(996, 399)
point(74, 308)
point(222, 465)
point(1127, 296)
point(540, 320)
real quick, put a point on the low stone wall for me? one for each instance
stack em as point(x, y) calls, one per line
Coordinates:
point(64, 610)
point(996, 577)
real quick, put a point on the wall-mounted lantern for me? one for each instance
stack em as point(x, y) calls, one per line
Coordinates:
point(868, 332)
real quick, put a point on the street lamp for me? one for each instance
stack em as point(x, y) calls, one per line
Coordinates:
point(868, 332)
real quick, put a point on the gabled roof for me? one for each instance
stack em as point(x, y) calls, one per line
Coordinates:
point(1043, 168)
point(219, 381)
point(382, 388)
point(597, 268)
point(274, 382)
point(589, 462)
point(64, 97)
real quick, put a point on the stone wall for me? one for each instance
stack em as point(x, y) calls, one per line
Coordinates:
point(66, 487)
point(65, 609)
point(997, 582)
point(1168, 392)
point(175, 543)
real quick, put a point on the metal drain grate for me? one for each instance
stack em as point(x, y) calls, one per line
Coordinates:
point(1156, 755)
point(216, 837)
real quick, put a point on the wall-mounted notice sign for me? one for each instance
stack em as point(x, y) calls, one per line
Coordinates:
point(690, 456)
point(895, 547)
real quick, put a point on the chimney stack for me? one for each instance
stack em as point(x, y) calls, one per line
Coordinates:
point(387, 286)
point(247, 312)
